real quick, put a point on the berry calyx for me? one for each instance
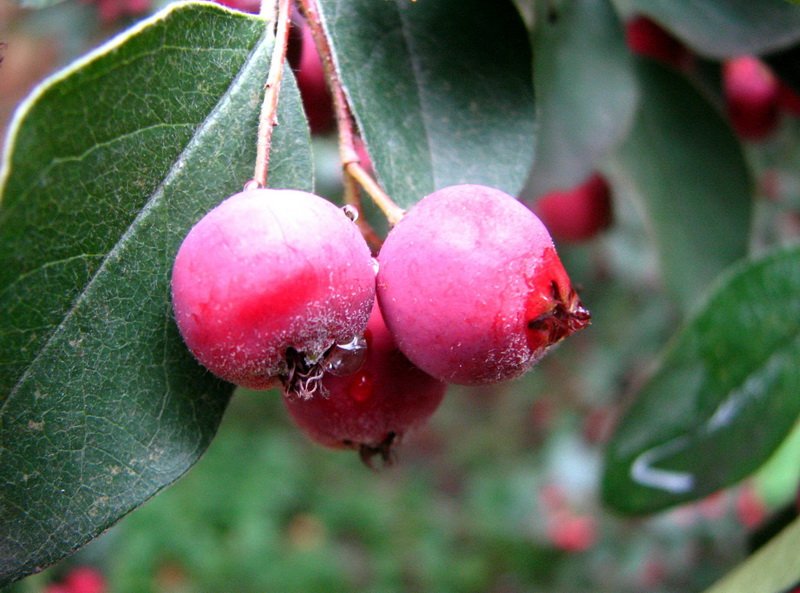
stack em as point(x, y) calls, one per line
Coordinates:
point(751, 97)
point(577, 214)
point(269, 281)
point(371, 408)
point(471, 287)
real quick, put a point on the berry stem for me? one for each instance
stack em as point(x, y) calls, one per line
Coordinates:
point(346, 126)
point(278, 13)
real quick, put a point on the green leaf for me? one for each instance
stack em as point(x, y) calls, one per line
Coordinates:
point(109, 164)
point(722, 29)
point(585, 89)
point(440, 90)
point(723, 398)
point(685, 165)
point(773, 569)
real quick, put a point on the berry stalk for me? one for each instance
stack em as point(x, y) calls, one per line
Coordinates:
point(278, 12)
point(345, 125)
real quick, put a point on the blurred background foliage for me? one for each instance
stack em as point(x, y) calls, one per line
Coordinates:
point(498, 493)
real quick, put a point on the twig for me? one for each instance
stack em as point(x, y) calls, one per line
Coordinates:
point(345, 125)
point(269, 108)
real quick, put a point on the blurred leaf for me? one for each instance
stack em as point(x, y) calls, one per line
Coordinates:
point(690, 172)
point(438, 99)
point(109, 164)
point(38, 3)
point(585, 89)
point(723, 398)
point(725, 28)
point(774, 569)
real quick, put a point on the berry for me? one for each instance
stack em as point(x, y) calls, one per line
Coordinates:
point(577, 214)
point(572, 533)
point(471, 287)
point(85, 580)
point(369, 409)
point(751, 97)
point(243, 5)
point(267, 282)
point(647, 38)
point(310, 74)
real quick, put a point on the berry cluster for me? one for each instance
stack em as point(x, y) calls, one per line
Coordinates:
point(278, 287)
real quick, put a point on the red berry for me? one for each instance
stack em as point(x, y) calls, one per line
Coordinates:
point(243, 5)
point(369, 409)
point(647, 38)
point(85, 580)
point(572, 533)
point(750, 509)
point(314, 92)
point(267, 282)
point(471, 287)
point(577, 214)
point(788, 99)
point(751, 97)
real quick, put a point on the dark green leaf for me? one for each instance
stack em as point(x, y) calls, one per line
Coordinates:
point(688, 169)
point(109, 164)
point(441, 90)
point(723, 398)
point(585, 89)
point(725, 28)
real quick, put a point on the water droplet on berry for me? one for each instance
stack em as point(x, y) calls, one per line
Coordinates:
point(346, 359)
point(350, 212)
point(252, 184)
point(361, 387)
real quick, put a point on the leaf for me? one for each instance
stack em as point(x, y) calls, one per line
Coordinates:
point(723, 398)
point(108, 166)
point(690, 174)
point(585, 89)
point(436, 104)
point(721, 29)
point(773, 569)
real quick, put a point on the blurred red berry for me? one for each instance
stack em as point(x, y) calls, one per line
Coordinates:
point(112, 10)
point(85, 580)
point(310, 74)
point(577, 214)
point(788, 98)
point(750, 509)
point(647, 38)
point(751, 97)
point(243, 5)
point(572, 533)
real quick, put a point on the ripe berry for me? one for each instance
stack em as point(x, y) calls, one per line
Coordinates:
point(751, 97)
point(267, 282)
point(579, 213)
point(369, 409)
point(471, 287)
point(647, 38)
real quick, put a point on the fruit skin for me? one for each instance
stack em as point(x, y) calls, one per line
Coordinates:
point(267, 273)
point(751, 97)
point(647, 38)
point(471, 287)
point(370, 409)
point(577, 214)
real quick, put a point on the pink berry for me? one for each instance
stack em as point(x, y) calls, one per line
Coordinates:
point(267, 282)
point(371, 408)
point(243, 5)
point(751, 97)
point(471, 287)
point(750, 508)
point(310, 74)
point(647, 38)
point(577, 214)
point(85, 579)
point(572, 533)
